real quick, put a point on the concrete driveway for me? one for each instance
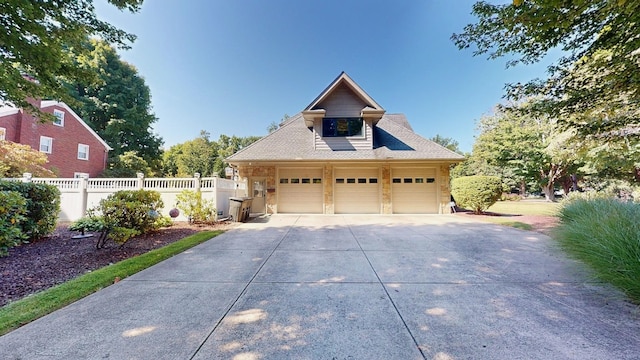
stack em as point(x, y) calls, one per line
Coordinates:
point(348, 287)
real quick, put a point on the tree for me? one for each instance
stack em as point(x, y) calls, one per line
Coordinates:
point(128, 164)
point(42, 39)
point(117, 105)
point(595, 85)
point(534, 150)
point(17, 159)
point(449, 143)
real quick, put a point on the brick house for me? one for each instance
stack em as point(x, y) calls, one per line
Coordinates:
point(344, 154)
point(72, 147)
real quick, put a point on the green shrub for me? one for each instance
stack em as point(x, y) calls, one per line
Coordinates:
point(476, 193)
point(195, 208)
point(43, 206)
point(13, 207)
point(123, 215)
point(131, 209)
point(163, 221)
point(510, 197)
point(604, 234)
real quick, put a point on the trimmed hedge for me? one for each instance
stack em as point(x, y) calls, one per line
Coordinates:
point(476, 193)
point(13, 207)
point(43, 206)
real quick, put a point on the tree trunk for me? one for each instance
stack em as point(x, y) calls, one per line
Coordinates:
point(548, 192)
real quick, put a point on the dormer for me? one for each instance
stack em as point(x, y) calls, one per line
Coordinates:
point(343, 116)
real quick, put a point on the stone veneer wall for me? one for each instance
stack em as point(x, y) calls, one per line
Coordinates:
point(386, 189)
point(267, 172)
point(445, 189)
point(328, 189)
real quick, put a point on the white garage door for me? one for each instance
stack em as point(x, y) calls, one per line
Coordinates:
point(300, 191)
point(414, 191)
point(356, 191)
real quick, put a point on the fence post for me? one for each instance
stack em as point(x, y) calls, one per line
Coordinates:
point(140, 180)
point(196, 176)
point(84, 181)
point(26, 177)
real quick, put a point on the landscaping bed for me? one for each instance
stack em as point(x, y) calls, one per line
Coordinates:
point(55, 259)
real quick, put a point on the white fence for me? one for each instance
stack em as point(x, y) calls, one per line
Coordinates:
point(78, 195)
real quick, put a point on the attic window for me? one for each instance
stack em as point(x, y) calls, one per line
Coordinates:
point(337, 127)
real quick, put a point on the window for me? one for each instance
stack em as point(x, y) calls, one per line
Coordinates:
point(306, 181)
point(79, 175)
point(336, 127)
point(83, 152)
point(284, 181)
point(295, 181)
point(408, 180)
point(351, 181)
point(46, 144)
point(59, 120)
point(431, 180)
point(373, 180)
point(362, 181)
point(397, 180)
point(419, 180)
point(317, 181)
point(3, 133)
point(339, 181)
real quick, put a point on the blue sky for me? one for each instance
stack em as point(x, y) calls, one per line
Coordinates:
point(233, 67)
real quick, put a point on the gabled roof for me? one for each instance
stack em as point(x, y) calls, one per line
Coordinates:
point(372, 110)
point(393, 140)
point(357, 90)
point(49, 103)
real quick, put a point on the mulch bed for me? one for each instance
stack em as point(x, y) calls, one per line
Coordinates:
point(50, 261)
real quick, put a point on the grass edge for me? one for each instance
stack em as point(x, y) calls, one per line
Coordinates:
point(16, 314)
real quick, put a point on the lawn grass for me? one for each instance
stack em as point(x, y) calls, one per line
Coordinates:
point(605, 235)
point(508, 222)
point(526, 207)
point(18, 313)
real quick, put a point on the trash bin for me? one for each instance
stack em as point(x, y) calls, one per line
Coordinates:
point(246, 205)
point(235, 209)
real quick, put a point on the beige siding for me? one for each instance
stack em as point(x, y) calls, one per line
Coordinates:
point(357, 191)
point(300, 191)
point(344, 143)
point(414, 190)
point(342, 102)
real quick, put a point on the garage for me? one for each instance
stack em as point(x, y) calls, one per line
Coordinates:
point(357, 191)
point(414, 191)
point(300, 191)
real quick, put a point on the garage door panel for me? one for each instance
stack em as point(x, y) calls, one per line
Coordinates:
point(300, 191)
point(414, 191)
point(357, 191)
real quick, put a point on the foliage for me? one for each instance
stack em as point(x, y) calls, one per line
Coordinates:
point(125, 214)
point(510, 197)
point(596, 78)
point(43, 206)
point(17, 159)
point(533, 149)
point(163, 221)
point(448, 143)
point(605, 234)
point(127, 165)
point(117, 106)
point(13, 208)
point(43, 39)
point(87, 223)
point(197, 209)
point(477, 193)
point(18, 313)
point(202, 155)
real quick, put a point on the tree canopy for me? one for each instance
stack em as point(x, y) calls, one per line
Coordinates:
point(41, 41)
point(17, 159)
point(117, 105)
point(595, 84)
